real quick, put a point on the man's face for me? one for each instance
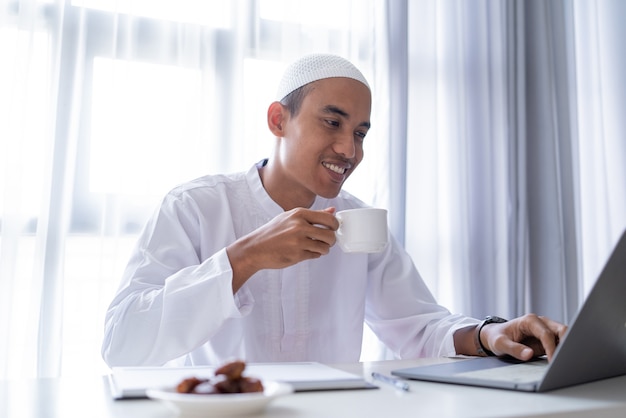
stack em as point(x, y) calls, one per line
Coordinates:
point(323, 143)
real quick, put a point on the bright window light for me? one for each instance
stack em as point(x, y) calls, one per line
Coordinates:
point(24, 98)
point(327, 13)
point(211, 13)
point(145, 116)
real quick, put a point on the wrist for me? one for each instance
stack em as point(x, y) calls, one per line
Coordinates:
point(241, 264)
point(481, 349)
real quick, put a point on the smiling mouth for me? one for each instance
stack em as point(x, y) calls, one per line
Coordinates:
point(335, 168)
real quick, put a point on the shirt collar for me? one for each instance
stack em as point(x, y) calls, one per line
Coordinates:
point(258, 191)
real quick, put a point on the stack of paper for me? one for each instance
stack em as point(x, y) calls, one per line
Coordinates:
point(132, 382)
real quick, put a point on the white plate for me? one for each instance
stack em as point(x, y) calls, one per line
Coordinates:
point(220, 405)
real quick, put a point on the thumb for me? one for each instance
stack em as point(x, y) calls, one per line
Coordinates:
point(330, 210)
point(519, 351)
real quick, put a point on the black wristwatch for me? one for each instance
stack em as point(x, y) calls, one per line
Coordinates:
point(480, 348)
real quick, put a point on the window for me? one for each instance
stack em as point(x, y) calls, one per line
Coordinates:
point(135, 97)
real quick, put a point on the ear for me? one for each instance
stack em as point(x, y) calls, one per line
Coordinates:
point(276, 117)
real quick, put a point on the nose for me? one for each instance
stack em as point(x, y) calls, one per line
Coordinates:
point(344, 145)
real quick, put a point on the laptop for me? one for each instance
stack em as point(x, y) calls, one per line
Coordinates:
point(593, 348)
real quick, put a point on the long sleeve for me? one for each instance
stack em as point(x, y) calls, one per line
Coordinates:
point(176, 292)
point(402, 312)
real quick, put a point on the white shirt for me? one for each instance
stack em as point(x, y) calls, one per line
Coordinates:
point(176, 302)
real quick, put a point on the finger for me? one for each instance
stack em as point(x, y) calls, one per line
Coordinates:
point(538, 333)
point(557, 328)
point(322, 234)
point(551, 334)
point(518, 350)
point(314, 239)
point(316, 246)
point(322, 218)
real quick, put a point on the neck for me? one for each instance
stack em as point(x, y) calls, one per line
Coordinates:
point(285, 195)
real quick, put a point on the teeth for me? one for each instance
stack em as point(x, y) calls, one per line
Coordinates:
point(335, 168)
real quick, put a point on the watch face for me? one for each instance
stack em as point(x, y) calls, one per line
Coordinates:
point(494, 320)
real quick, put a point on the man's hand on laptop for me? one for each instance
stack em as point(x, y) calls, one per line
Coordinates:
point(524, 337)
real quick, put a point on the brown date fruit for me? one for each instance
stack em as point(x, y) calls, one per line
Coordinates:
point(188, 385)
point(250, 384)
point(227, 386)
point(231, 370)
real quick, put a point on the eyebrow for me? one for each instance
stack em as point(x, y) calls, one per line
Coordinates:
point(338, 111)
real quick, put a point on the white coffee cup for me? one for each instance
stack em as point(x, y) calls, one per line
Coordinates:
point(362, 230)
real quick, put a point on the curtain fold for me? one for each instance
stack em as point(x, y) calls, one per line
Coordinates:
point(600, 65)
point(565, 136)
point(459, 140)
point(551, 160)
point(397, 75)
point(53, 223)
point(509, 183)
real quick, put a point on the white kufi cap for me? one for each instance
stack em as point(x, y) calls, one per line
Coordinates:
point(315, 67)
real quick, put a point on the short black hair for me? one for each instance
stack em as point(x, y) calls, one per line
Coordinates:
point(293, 101)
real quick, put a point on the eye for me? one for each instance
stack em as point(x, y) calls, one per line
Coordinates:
point(360, 135)
point(332, 122)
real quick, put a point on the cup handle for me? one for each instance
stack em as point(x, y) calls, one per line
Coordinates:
point(338, 232)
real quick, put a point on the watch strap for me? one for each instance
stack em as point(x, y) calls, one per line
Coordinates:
point(480, 348)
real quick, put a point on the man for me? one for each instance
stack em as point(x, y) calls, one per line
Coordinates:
point(245, 266)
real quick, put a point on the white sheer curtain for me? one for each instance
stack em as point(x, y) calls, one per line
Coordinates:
point(458, 203)
point(104, 106)
point(601, 64)
point(516, 153)
point(497, 142)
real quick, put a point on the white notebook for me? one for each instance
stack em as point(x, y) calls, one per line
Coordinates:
point(132, 382)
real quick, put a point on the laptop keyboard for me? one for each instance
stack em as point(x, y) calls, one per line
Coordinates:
point(522, 373)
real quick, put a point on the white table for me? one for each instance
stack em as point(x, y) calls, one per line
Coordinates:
point(89, 397)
